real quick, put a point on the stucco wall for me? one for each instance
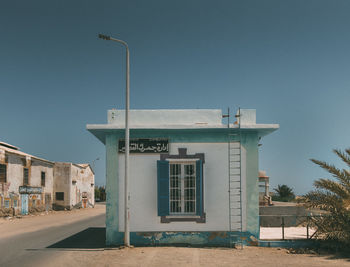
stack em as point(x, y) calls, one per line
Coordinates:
point(62, 182)
point(143, 190)
point(14, 172)
point(15, 164)
point(83, 178)
point(35, 176)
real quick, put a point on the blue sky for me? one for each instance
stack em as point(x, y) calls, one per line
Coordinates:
point(287, 59)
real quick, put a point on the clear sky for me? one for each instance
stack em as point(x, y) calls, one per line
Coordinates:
point(288, 59)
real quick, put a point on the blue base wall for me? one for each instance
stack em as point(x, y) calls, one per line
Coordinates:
point(197, 239)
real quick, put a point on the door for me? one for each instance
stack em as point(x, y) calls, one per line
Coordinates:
point(24, 201)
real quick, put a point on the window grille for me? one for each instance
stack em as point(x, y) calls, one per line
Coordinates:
point(59, 195)
point(182, 188)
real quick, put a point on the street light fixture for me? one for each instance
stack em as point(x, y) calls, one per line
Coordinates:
point(127, 107)
point(93, 163)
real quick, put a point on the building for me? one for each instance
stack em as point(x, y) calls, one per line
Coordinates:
point(73, 185)
point(28, 183)
point(193, 179)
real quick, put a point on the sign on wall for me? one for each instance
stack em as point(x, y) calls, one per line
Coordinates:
point(30, 190)
point(150, 145)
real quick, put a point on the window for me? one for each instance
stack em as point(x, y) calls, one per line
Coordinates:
point(180, 187)
point(3, 173)
point(59, 195)
point(25, 176)
point(43, 174)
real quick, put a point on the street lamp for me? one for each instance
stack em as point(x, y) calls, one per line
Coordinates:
point(127, 107)
point(93, 163)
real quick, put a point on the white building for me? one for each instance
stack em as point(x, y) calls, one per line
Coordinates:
point(29, 183)
point(73, 185)
point(193, 179)
point(26, 181)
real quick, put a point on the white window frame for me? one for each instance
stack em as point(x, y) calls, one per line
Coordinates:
point(182, 164)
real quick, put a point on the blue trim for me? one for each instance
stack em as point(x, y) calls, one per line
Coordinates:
point(209, 135)
point(199, 188)
point(199, 239)
point(163, 187)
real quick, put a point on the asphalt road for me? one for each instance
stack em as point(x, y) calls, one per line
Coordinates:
point(29, 248)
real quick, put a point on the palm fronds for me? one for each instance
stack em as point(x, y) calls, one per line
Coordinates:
point(332, 196)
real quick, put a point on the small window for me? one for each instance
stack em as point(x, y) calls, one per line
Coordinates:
point(59, 195)
point(7, 203)
point(3, 173)
point(25, 176)
point(43, 174)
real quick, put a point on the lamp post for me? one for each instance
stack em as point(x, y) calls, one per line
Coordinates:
point(127, 107)
point(93, 163)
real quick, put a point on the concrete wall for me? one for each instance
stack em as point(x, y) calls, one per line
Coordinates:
point(292, 215)
point(82, 185)
point(10, 190)
point(35, 176)
point(62, 183)
point(143, 185)
point(15, 172)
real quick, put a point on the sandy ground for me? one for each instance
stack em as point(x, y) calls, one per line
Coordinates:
point(172, 256)
point(270, 233)
point(149, 256)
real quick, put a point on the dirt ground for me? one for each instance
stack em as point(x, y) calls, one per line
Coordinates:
point(149, 256)
point(172, 256)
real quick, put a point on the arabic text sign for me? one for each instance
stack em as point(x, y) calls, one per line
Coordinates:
point(145, 145)
point(30, 190)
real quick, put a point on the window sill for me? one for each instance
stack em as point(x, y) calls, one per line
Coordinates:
point(184, 218)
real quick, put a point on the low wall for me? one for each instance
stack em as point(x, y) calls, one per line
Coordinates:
point(273, 216)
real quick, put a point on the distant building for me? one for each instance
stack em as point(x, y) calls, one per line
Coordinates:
point(193, 179)
point(27, 182)
point(73, 185)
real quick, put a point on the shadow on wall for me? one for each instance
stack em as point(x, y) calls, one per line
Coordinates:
point(93, 237)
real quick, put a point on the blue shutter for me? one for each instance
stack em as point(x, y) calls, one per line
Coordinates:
point(163, 187)
point(199, 188)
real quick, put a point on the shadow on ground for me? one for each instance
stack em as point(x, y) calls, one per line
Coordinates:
point(90, 238)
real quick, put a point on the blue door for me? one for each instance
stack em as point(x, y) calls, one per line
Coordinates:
point(24, 199)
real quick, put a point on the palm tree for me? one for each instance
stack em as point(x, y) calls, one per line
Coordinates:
point(333, 196)
point(284, 193)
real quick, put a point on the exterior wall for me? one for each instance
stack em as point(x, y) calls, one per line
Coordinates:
point(9, 191)
point(143, 190)
point(250, 144)
point(200, 131)
point(113, 234)
point(14, 172)
point(143, 186)
point(62, 183)
point(82, 187)
point(35, 180)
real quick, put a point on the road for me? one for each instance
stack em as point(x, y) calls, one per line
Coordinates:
point(34, 239)
point(77, 238)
